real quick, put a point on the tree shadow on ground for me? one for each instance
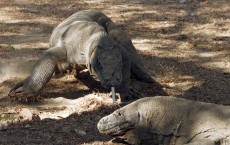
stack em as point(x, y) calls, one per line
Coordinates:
point(214, 86)
point(43, 30)
point(35, 31)
point(85, 84)
point(70, 87)
point(169, 13)
point(75, 129)
point(214, 82)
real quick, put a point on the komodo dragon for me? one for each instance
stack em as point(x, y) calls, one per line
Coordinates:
point(87, 38)
point(165, 120)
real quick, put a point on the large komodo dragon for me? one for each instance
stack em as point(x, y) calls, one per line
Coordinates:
point(87, 38)
point(169, 121)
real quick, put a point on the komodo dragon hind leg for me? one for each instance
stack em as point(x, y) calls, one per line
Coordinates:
point(137, 71)
point(41, 74)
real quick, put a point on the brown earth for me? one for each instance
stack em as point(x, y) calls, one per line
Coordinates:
point(184, 45)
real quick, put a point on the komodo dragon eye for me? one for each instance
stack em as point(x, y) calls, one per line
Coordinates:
point(99, 65)
point(119, 62)
point(119, 113)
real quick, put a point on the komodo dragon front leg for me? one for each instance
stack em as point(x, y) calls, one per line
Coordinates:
point(118, 35)
point(131, 65)
point(131, 62)
point(42, 72)
point(121, 38)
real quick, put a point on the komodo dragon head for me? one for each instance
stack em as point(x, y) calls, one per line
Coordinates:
point(120, 121)
point(106, 65)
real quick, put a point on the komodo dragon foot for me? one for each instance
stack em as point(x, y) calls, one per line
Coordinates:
point(20, 93)
point(128, 94)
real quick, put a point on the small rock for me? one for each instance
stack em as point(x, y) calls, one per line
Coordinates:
point(27, 126)
point(66, 129)
point(3, 127)
point(80, 132)
point(192, 14)
point(25, 114)
point(184, 1)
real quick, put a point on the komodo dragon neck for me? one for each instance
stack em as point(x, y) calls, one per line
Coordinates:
point(99, 38)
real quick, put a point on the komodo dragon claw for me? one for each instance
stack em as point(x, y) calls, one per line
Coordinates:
point(125, 95)
point(17, 88)
point(128, 94)
point(18, 93)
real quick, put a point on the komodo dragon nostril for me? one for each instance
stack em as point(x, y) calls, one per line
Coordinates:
point(106, 79)
point(118, 78)
point(114, 74)
point(119, 113)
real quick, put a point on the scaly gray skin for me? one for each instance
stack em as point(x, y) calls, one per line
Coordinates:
point(169, 121)
point(117, 35)
point(87, 38)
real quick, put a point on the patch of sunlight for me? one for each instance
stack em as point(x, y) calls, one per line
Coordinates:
point(4, 16)
point(178, 13)
point(224, 7)
point(11, 19)
point(60, 107)
point(147, 44)
point(142, 41)
point(156, 25)
point(8, 33)
point(98, 142)
point(207, 54)
point(210, 30)
point(224, 66)
point(181, 86)
point(20, 69)
point(123, 12)
point(202, 54)
point(43, 20)
point(205, 29)
point(34, 45)
point(184, 45)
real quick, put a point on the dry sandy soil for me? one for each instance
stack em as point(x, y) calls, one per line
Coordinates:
point(185, 46)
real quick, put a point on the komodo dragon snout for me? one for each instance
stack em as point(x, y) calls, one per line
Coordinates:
point(119, 122)
point(106, 67)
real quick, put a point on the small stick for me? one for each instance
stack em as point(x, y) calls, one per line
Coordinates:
point(113, 94)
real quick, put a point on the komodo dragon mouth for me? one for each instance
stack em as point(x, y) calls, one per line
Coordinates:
point(114, 128)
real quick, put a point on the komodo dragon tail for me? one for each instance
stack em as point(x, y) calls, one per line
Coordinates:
point(120, 37)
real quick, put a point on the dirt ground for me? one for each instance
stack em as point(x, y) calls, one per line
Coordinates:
point(185, 46)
